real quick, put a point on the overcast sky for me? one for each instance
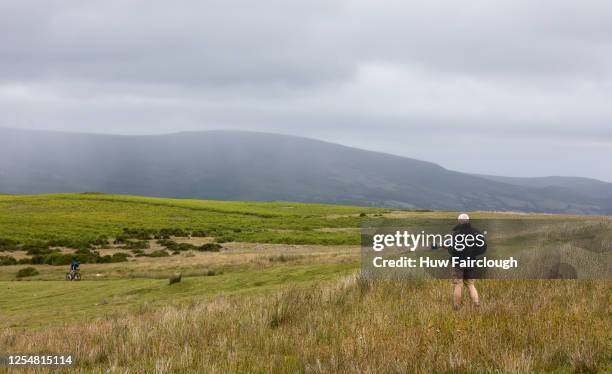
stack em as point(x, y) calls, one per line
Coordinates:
point(520, 88)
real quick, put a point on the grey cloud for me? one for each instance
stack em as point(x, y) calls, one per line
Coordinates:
point(214, 43)
point(368, 73)
point(225, 42)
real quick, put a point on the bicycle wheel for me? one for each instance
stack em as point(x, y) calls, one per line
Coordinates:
point(68, 277)
point(77, 276)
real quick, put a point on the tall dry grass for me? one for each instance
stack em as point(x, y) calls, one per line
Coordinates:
point(355, 325)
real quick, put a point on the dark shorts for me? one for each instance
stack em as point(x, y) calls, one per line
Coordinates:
point(465, 275)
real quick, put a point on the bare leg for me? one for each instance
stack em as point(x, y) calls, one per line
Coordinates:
point(473, 294)
point(457, 296)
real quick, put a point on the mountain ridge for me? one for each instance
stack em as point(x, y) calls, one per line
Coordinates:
point(239, 165)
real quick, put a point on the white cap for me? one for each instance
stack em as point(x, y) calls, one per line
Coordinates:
point(463, 218)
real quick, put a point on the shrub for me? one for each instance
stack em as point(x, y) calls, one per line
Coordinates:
point(148, 234)
point(178, 247)
point(36, 260)
point(69, 243)
point(116, 257)
point(58, 258)
point(176, 278)
point(140, 234)
point(84, 256)
point(120, 239)
point(174, 246)
point(199, 233)
point(210, 247)
point(40, 251)
point(36, 248)
point(8, 245)
point(101, 241)
point(139, 244)
point(7, 260)
point(185, 247)
point(27, 272)
point(158, 253)
point(174, 232)
point(225, 238)
point(166, 243)
point(87, 252)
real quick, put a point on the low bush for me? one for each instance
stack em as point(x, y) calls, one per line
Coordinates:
point(199, 233)
point(36, 248)
point(171, 245)
point(8, 260)
point(8, 245)
point(101, 241)
point(209, 247)
point(27, 272)
point(84, 256)
point(148, 234)
point(158, 253)
point(59, 258)
point(116, 257)
point(40, 251)
point(70, 243)
point(174, 232)
point(176, 278)
point(140, 234)
point(136, 244)
point(224, 238)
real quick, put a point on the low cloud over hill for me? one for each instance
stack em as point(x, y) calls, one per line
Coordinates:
point(230, 165)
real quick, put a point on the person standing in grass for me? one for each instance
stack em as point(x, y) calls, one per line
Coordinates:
point(464, 276)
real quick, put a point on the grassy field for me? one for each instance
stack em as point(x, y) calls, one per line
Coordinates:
point(284, 294)
point(89, 215)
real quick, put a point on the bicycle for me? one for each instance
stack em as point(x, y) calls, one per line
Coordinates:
point(73, 275)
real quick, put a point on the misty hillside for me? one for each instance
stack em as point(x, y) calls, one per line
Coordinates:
point(586, 186)
point(228, 165)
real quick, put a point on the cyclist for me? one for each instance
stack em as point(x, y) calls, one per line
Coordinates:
point(74, 266)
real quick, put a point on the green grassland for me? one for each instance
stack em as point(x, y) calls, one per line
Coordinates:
point(283, 294)
point(87, 216)
point(144, 281)
point(34, 304)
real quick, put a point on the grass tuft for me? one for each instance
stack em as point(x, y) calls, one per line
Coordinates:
point(176, 278)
